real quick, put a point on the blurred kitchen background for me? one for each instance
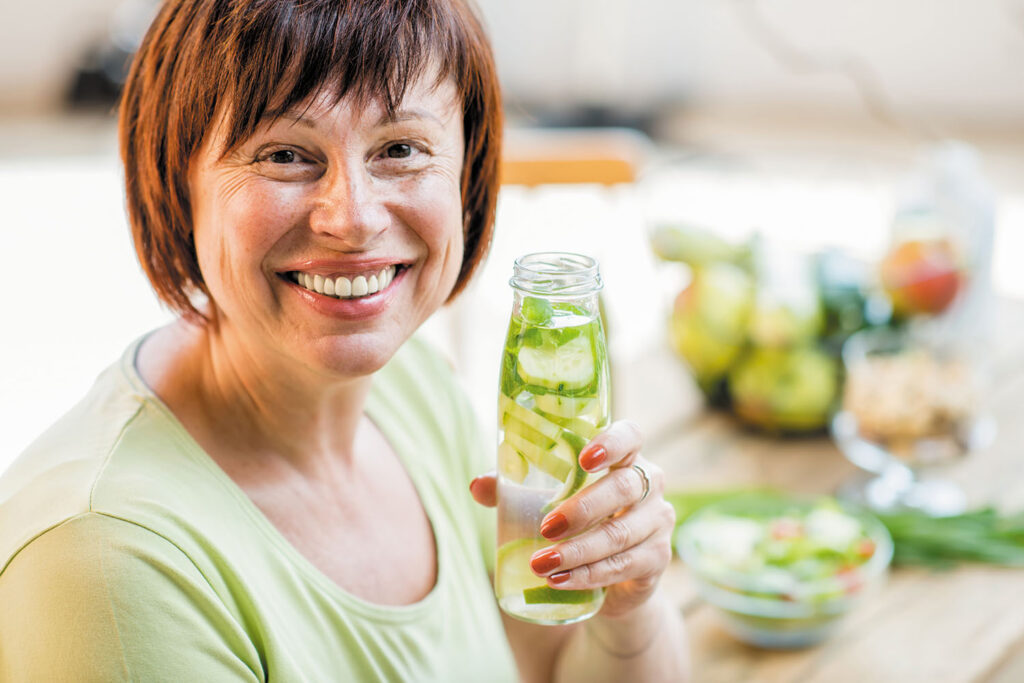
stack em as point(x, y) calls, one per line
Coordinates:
point(797, 119)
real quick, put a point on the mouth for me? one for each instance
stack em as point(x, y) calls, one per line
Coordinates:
point(348, 286)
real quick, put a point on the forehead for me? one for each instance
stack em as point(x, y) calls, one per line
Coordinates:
point(424, 99)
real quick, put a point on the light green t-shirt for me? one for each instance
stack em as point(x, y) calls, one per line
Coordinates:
point(126, 553)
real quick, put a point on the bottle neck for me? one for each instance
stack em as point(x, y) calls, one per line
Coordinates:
point(561, 275)
point(558, 277)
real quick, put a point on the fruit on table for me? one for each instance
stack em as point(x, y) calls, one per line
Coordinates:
point(785, 389)
point(922, 276)
point(695, 246)
point(782, 326)
point(709, 320)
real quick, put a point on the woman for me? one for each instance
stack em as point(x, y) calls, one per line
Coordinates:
point(273, 487)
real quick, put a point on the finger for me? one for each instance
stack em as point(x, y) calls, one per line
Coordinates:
point(611, 537)
point(620, 488)
point(617, 445)
point(485, 489)
point(640, 562)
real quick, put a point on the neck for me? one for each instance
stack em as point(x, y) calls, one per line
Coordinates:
point(253, 407)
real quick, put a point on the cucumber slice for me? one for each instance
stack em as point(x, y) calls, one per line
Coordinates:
point(511, 463)
point(510, 408)
point(576, 479)
point(575, 425)
point(573, 483)
point(557, 461)
point(567, 367)
point(568, 406)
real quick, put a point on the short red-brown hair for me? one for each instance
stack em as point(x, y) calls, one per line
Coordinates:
point(255, 59)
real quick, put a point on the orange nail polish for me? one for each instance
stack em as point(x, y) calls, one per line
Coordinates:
point(560, 577)
point(554, 526)
point(545, 561)
point(592, 457)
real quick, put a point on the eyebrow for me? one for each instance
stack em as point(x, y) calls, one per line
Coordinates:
point(400, 116)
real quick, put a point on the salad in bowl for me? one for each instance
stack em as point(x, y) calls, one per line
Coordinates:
point(783, 570)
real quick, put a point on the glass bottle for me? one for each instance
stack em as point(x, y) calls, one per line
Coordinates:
point(553, 398)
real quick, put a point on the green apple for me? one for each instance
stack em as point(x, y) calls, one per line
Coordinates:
point(709, 321)
point(789, 390)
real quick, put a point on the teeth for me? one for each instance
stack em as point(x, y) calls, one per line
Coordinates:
point(343, 287)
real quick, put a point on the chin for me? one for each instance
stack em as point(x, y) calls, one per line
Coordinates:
point(351, 356)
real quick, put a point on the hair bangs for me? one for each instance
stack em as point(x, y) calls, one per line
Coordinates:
point(238, 63)
point(285, 56)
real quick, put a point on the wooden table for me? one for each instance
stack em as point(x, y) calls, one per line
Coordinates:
point(961, 625)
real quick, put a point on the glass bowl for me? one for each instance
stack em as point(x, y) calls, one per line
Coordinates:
point(912, 404)
point(783, 571)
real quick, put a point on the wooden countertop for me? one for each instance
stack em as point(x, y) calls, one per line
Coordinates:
point(960, 625)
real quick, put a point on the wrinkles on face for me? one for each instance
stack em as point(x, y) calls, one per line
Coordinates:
point(330, 182)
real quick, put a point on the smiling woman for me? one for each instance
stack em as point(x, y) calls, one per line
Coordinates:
point(340, 192)
point(274, 486)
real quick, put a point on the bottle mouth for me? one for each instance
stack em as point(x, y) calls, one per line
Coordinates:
point(556, 273)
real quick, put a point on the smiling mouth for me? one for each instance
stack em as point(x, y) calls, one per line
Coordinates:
point(346, 287)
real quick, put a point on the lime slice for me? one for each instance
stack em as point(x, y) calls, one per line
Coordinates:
point(566, 367)
point(520, 551)
point(513, 573)
point(546, 594)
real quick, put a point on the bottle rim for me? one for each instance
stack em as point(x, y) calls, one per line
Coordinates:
point(556, 273)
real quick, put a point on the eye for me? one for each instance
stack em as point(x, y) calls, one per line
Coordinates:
point(281, 156)
point(286, 164)
point(398, 150)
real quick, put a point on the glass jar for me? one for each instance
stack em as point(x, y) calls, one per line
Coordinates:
point(553, 398)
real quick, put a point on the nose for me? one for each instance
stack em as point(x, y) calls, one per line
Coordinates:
point(348, 208)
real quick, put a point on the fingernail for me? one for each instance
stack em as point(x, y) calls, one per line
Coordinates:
point(545, 561)
point(592, 457)
point(560, 577)
point(554, 526)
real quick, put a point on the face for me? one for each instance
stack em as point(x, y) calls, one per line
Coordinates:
point(330, 235)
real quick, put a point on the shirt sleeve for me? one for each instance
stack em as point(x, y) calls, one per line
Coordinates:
point(102, 599)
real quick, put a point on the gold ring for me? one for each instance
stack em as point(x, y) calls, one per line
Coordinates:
point(645, 479)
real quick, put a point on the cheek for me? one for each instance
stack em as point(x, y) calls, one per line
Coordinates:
point(438, 217)
point(236, 229)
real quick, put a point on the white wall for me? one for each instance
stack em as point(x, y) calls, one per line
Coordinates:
point(935, 59)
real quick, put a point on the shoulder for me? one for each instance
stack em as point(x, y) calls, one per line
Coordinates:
point(53, 479)
point(117, 599)
point(116, 453)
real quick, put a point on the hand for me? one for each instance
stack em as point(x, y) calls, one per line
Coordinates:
point(612, 538)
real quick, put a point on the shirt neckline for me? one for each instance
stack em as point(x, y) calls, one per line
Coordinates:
point(378, 611)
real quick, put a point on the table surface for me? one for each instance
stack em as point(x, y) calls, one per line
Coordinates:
point(964, 624)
